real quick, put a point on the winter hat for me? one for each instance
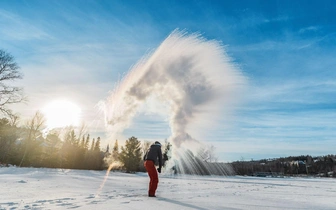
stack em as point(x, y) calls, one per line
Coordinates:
point(157, 143)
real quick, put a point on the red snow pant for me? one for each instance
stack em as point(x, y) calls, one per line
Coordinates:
point(153, 175)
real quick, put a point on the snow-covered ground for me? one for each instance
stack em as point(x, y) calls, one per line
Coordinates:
point(31, 188)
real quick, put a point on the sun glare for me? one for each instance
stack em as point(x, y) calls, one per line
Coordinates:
point(61, 114)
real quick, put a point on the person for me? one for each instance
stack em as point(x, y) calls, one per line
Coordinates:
point(153, 154)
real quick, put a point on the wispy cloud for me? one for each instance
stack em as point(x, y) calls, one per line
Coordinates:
point(17, 28)
point(308, 29)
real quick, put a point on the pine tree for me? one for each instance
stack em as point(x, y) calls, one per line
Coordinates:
point(82, 144)
point(73, 138)
point(86, 145)
point(93, 144)
point(115, 151)
point(52, 147)
point(107, 149)
point(97, 145)
point(130, 155)
point(8, 136)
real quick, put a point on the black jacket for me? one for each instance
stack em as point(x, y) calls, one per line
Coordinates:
point(154, 153)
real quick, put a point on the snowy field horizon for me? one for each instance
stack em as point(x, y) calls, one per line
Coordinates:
point(43, 188)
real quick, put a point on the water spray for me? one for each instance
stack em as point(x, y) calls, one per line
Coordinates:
point(192, 76)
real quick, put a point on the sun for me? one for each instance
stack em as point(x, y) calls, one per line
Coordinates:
point(62, 113)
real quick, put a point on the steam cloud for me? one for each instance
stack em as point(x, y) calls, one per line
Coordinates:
point(191, 75)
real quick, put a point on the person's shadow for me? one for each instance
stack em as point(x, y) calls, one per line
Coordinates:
point(187, 204)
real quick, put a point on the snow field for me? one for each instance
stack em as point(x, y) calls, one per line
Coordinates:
point(31, 188)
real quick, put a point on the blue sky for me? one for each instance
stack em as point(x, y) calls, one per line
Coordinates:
point(79, 50)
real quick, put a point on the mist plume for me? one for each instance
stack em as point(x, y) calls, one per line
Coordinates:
point(192, 76)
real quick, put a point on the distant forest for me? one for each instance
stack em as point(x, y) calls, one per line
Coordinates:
point(322, 166)
point(30, 146)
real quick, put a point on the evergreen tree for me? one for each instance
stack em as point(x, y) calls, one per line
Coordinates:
point(72, 153)
point(93, 144)
point(94, 157)
point(115, 151)
point(97, 145)
point(130, 155)
point(8, 137)
point(82, 153)
point(107, 149)
point(51, 153)
point(72, 138)
point(87, 141)
point(82, 144)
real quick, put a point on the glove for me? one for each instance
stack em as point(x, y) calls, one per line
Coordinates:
point(159, 170)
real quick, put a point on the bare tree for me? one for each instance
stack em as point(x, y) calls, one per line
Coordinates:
point(34, 128)
point(82, 131)
point(9, 72)
point(145, 146)
point(207, 153)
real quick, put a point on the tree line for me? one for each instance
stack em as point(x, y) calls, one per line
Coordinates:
point(324, 166)
point(29, 146)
